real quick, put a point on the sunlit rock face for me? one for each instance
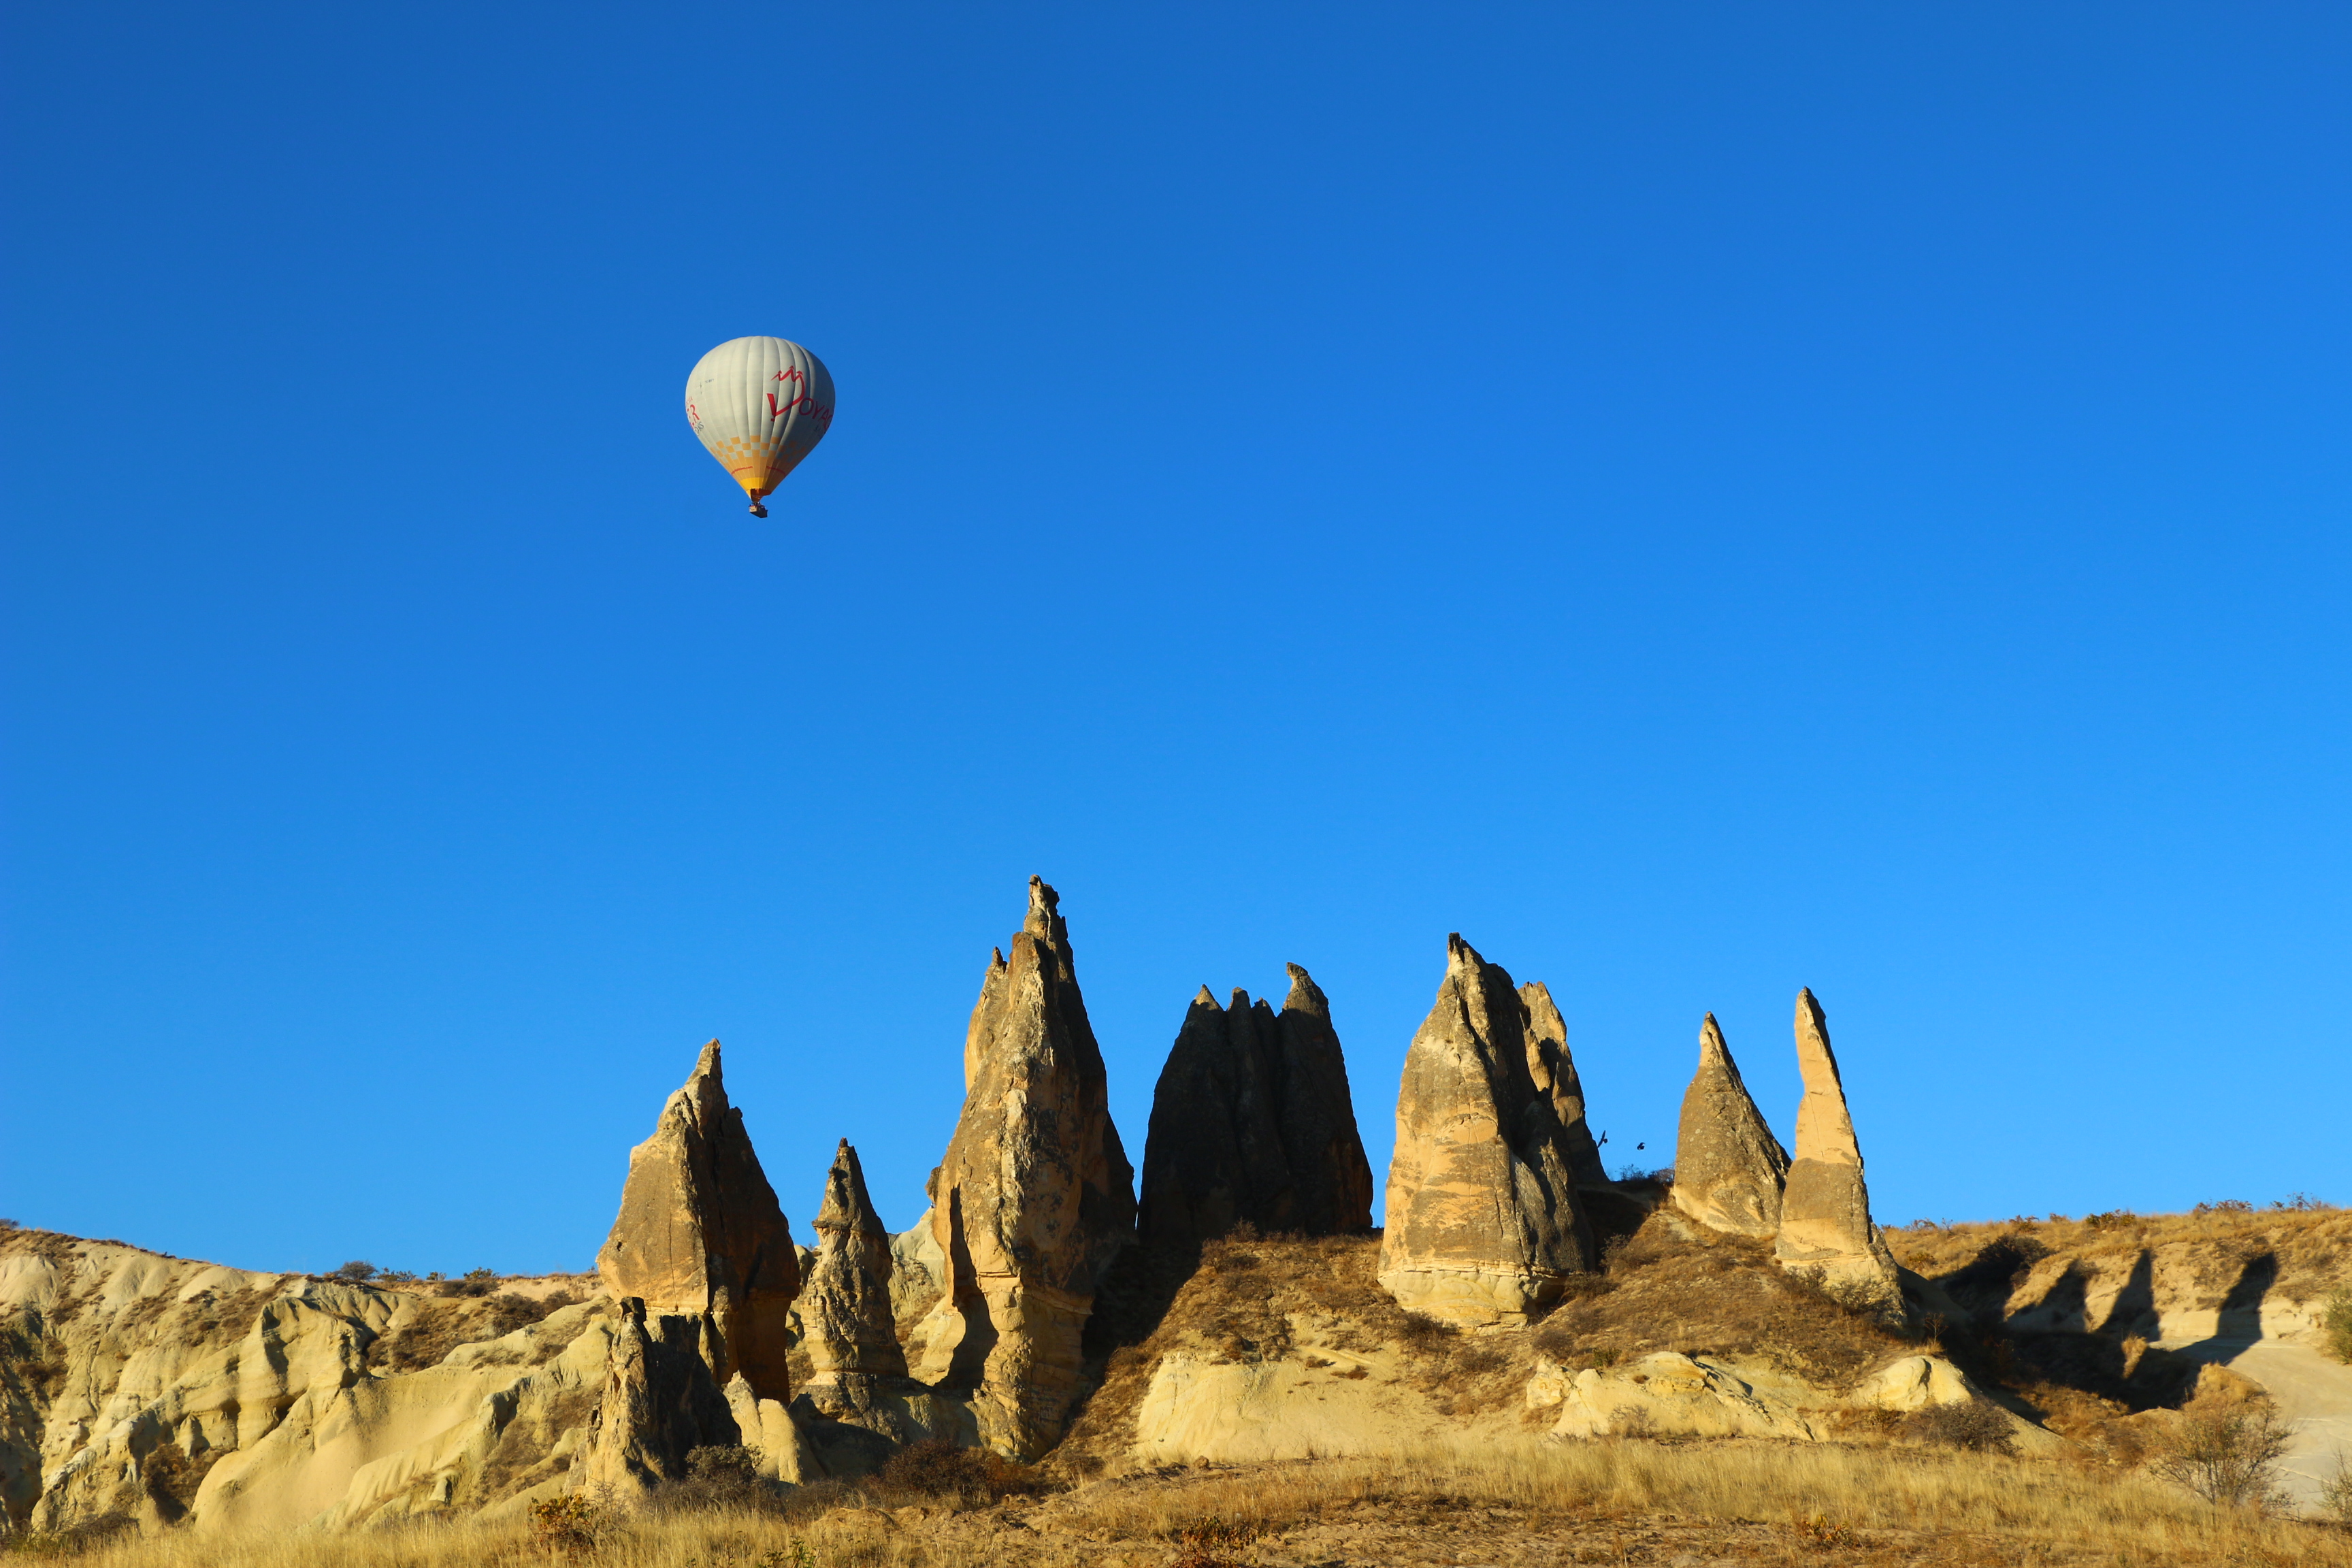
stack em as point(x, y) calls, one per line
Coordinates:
point(1825, 1225)
point(1729, 1168)
point(1485, 1225)
point(1033, 1197)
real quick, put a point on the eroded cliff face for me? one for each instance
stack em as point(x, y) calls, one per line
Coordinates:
point(168, 1391)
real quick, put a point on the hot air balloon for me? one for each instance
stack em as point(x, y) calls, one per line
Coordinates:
point(761, 405)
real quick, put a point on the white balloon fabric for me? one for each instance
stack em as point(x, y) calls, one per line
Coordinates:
point(761, 405)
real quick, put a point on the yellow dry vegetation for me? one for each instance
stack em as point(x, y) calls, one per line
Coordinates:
point(2313, 1246)
point(1666, 1287)
point(1532, 1504)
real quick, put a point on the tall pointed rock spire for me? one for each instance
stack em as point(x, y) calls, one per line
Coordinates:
point(1319, 1136)
point(1729, 1168)
point(1554, 1069)
point(845, 1321)
point(1825, 1224)
point(700, 1233)
point(1034, 1197)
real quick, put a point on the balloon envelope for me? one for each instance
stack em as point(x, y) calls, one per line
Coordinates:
point(761, 405)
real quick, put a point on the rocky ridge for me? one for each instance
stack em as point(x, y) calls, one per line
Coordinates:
point(170, 1391)
point(1485, 1225)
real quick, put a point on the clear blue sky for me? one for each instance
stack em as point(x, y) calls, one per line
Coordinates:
point(1701, 499)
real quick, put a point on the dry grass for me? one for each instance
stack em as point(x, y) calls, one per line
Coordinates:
point(2313, 1246)
point(1535, 1504)
point(1256, 1298)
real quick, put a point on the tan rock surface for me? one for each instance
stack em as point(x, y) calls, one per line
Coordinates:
point(845, 1306)
point(172, 1390)
point(700, 1234)
point(1033, 1197)
point(661, 1401)
point(1484, 1222)
point(1825, 1224)
point(1729, 1168)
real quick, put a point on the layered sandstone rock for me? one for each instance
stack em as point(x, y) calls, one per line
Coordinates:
point(1251, 1122)
point(1825, 1225)
point(1033, 1197)
point(1554, 1069)
point(173, 1391)
point(845, 1308)
point(701, 1236)
point(1729, 1168)
point(1484, 1222)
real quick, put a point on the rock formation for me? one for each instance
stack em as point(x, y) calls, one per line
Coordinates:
point(1729, 1168)
point(1484, 1222)
point(1825, 1225)
point(1319, 1139)
point(1554, 1070)
point(661, 1403)
point(1251, 1122)
point(1033, 1197)
point(845, 1308)
point(175, 1392)
point(858, 1404)
point(700, 1234)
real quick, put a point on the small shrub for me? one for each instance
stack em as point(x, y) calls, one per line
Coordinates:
point(718, 1479)
point(1478, 1361)
point(509, 1310)
point(8, 1224)
point(2227, 1455)
point(571, 1524)
point(1213, 1542)
point(477, 1282)
point(2336, 1492)
point(1426, 1334)
point(2227, 1205)
point(1978, 1426)
point(937, 1467)
point(1818, 1531)
point(357, 1272)
point(2335, 1325)
point(1584, 1287)
point(2110, 1219)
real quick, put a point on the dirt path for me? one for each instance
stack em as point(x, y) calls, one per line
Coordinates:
point(2312, 1391)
